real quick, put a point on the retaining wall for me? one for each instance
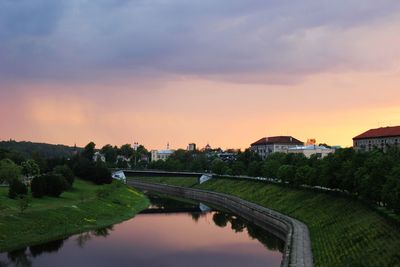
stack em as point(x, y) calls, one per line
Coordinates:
point(297, 244)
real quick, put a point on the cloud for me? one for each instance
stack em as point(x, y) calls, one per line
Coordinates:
point(241, 41)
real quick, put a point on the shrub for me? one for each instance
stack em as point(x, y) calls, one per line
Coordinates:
point(55, 185)
point(17, 188)
point(67, 173)
point(39, 186)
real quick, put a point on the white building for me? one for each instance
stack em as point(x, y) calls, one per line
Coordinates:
point(310, 150)
point(191, 147)
point(267, 145)
point(99, 157)
point(161, 154)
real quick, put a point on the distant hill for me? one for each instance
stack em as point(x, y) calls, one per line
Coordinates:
point(27, 149)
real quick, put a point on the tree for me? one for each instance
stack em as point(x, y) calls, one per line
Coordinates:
point(304, 175)
point(66, 172)
point(17, 188)
point(255, 168)
point(126, 150)
point(55, 185)
point(286, 173)
point(9, 171)
point(110, 153)
point(30, 168)
point(391, 190)
point(39, 186)
point(88, 151)
point(218, 166)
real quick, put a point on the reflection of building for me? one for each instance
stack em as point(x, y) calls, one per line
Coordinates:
point(191, 147)
point(267, 145)
point(310, 150)
point(380, 138)
point(161, 154)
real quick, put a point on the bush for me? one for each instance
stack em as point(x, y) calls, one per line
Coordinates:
point(90, 171)
point(17, 188)
point(48, 185)
point(55, 185)
point(39, 186)
point(67, 173)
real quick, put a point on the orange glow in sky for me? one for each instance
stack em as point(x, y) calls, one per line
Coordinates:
point(219, 72)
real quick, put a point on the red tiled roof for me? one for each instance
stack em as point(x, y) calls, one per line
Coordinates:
point(380, 132)
point(277, 140)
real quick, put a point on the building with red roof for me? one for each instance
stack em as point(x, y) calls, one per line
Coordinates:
point(267, 145)
point(380, 138)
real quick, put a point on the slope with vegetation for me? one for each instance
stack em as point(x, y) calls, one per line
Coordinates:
point(85, 207)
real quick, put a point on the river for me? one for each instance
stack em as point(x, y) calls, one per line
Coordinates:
point(170, 233)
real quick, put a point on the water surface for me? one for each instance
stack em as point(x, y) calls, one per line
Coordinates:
point(169, 233)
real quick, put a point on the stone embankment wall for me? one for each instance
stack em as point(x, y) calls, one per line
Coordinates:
point(297, 244)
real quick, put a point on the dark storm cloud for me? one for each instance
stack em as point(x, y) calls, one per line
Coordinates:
point(78, 40)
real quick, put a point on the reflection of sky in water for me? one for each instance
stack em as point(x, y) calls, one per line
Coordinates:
point(161, 240)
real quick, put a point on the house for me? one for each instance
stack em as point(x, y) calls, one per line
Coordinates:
point(267, 145)
point(310, 150)
point(191, 147)
point(99, 157)
point(161, 154)
point(380, 138)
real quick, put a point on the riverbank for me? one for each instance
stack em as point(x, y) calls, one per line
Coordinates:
point(344, 232)
point(85, 207)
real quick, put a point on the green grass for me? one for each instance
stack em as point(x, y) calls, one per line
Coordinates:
point(75, 211)
point(178, 181)
point(344, 232)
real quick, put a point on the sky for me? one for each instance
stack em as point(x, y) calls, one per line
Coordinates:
point(225, 72)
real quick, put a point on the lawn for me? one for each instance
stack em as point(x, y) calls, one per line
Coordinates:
point(178, 181)
point(85, 207)
point(344, 232)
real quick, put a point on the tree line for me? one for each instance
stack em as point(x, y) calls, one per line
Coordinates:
point(371, 176)
point(57, 175)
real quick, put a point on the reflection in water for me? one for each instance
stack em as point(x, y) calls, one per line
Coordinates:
point(163, 235)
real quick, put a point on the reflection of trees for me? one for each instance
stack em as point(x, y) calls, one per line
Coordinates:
point(169, 203)
point(83, 238)
point(237, 224)
point(50, 247)
point(20, 258)
point(23, 257)
point(195, 216)
point(267, 239)
point(103, 232)
point(221, 219)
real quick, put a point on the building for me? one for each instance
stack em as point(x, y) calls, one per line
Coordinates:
point(310, 150)
point(191, 147)
point(161, 154)
point(99, 157)
point(267, 145)
point(380, 138)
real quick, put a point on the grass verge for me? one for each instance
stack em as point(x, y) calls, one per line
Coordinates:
point(344, 232)
point(85, 207)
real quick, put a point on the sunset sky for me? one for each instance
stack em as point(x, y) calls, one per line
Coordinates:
point(226, 72)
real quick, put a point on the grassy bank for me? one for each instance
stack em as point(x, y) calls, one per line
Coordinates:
point(85, 207)
point(344, 232)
